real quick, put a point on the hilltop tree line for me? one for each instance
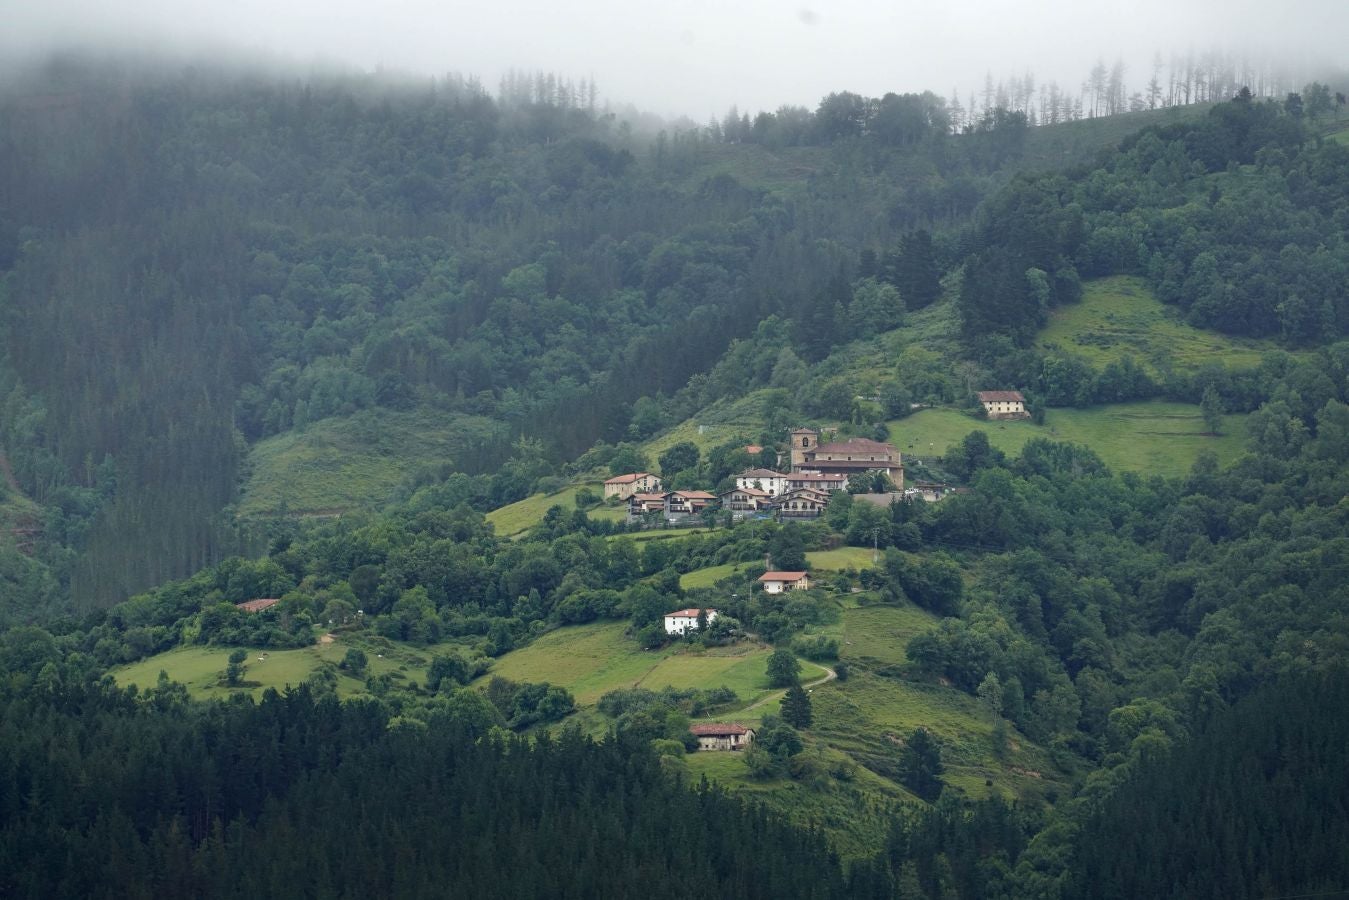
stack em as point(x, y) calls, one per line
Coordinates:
point(1232, 219)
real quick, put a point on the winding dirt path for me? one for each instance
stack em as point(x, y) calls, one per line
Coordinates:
point(829, 675)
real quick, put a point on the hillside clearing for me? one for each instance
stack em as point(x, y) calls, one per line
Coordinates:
point(1152, 437)
point(591, 660)
point(358, 461)
point(1120, 316)
point(516, 518)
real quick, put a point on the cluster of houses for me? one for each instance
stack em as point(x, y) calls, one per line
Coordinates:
point(815, 470)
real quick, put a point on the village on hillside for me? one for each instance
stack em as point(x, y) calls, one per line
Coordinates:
point(810, 472)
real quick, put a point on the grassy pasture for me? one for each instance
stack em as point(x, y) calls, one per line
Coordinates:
point(1152, 437)
point(353, 462)
point(879, 634)
point(1120, 316)
point(520, 516)
point(841, 558)
point(200, 668)
point(591, 660)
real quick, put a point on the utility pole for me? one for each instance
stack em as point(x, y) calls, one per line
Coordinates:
point(875, 537)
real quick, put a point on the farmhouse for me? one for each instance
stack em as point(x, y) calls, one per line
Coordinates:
point(687, 503)
point(624, 486)
point(1003, 404)
point(722, 736)
point(645, 503)
point(844, 457)
point(773, 483)
point(253, 606)
point(684, 620)
point(802, 503)
point(777, 582)
point(742, 500)
point(818, 481)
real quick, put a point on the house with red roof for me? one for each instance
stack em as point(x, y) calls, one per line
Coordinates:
point(624, 486)
point(687, 503)
point(722, 735)
point(772, 483)
point(856, 454)
point(1003, 404)
point(683, 620)
point(744, 500)
point(777, 582)
point(640, 504)
point(254, 606)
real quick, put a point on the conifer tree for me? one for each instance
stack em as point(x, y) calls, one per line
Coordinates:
point(796, 710)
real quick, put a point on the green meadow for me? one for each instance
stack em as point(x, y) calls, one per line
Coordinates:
point(517, 518)
point(1120, 316)
point(355, 462)
point(1152, 437)
point(591, 660)
point(200, 668)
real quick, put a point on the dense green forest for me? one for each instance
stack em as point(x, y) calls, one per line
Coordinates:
point(196, 261)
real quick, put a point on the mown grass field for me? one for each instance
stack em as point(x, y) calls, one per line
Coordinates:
point(1153, 437)
point(200, 668)
point(353, 462)
point(517, 518)
point(869, 716)
point(879, 634)
point(591, 660)
point(841, 558)
point(816, 560)
point(1120, 316)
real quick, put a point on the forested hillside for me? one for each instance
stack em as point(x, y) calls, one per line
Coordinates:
point(198, 259)
point(1059, 678)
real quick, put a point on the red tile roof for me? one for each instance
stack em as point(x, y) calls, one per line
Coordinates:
point(892, 463)
point(258, 605)
point(855, 445)
point(782, 576)
point(754, 492)
point(753, 448)
point(717, 729)
point(1000, 397)
point(760, 473)
point(696, 495)
point(626, 479)
point(690, 613)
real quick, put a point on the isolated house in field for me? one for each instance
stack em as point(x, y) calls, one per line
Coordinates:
point(624, 486)
point(777, 582)
point(1003, 404)
point(844, 457)
point(254, 606)
point(745, 500)
point(684, 620)
point(722, 736)
point(766, 480)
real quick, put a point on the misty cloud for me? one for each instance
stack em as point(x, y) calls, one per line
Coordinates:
point(698, 58)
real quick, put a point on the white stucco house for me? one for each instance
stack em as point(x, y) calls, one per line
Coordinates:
point(684, 620)
point(777, 582)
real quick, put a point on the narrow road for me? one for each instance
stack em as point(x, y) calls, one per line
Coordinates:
point(829, 675)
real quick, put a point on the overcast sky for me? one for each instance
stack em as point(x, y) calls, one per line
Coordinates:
point(698, 57)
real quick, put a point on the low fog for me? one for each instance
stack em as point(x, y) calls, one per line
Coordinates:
point(698, 58)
